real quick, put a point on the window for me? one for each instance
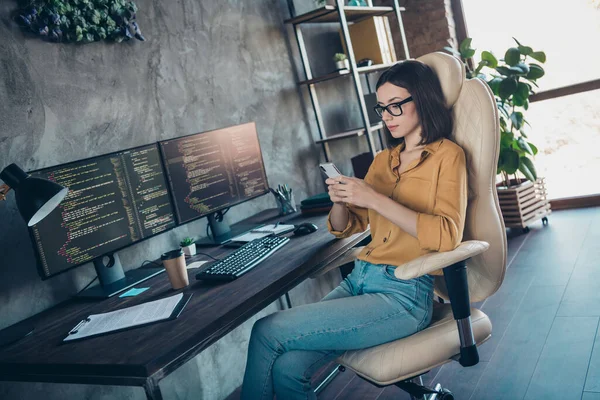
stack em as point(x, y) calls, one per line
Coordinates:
point(566, 130)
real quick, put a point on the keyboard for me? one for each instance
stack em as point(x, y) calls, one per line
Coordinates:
point(243, 259)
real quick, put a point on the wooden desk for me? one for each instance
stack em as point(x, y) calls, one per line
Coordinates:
point(144, 356)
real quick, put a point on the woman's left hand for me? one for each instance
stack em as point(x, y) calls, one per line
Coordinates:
point(355, 191)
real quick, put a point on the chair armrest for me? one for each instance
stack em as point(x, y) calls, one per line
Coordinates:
point(346, 258)
point(434, 261)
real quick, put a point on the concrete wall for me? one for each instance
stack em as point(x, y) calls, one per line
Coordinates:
point(205, 65)
point(429, 26)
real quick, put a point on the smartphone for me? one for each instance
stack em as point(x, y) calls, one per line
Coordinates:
point(330, 170)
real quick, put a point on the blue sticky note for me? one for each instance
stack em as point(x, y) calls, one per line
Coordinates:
point(134, 292)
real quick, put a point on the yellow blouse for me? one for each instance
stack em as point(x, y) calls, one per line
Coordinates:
point(435, 186)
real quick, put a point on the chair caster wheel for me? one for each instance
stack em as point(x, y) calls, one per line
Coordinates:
point(446, 395)
point(526, 229)
point(545, 221)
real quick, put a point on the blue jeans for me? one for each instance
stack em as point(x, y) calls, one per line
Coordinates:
point(370, 307)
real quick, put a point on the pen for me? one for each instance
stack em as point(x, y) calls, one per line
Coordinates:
point(276, 194)
point(277, 224)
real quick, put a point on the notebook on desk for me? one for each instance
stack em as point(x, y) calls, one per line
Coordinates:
point(262, 231)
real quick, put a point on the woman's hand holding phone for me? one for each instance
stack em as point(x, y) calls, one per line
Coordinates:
point(331, 182)
point(352, 191)
point(346, 190)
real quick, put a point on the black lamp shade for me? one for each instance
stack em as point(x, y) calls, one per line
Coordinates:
point(35, 197)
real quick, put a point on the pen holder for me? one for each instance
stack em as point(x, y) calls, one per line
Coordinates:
point(286, 204)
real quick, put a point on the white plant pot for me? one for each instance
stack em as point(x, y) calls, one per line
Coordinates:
point(342, 64)
point(189, 250)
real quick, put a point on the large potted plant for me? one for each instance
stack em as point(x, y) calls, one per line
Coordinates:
point(512, 80)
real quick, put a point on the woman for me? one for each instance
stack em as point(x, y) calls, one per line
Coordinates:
point(414, 199)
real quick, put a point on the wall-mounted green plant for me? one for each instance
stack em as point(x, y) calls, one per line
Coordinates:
point(81, 21)
point(512, 83)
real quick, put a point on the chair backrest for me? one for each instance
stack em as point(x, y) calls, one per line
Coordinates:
point(477, 131)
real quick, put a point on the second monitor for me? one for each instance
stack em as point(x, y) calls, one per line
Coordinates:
point(211, 171)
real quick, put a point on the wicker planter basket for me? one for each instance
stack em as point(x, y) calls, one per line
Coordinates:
point(522, 204)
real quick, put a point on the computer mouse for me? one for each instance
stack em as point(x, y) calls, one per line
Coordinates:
point(305, 228)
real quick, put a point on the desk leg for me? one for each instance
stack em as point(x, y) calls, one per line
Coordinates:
point(152, 390)
point(288, 300)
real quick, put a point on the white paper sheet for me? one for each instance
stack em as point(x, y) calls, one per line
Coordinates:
point(261, 232)
point(137, 315)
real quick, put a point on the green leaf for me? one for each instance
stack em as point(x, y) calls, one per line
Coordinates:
point(533, 148)
point(535, 71)
point(510, 163)
point(524, 145)
point(517, 119)
point(512, 56)
point(509, 71)
point(469, 53)
point(494, 83)
point(507, 87)
point(523, 67)
point(465, 45)
point(489, 57)
point(527, 168)
point(538, 55)
point(523, 90)
point(506, 138)
point(525, 50)
point(517, 100)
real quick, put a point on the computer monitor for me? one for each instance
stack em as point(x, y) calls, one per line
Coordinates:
point(211, 171)
point(114, 201)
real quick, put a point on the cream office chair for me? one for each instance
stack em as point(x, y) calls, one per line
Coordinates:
point(472, 272)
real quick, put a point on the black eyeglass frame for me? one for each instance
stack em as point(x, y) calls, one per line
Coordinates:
point(379, 108)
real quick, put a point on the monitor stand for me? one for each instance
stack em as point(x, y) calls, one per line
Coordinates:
point(221, 231)
point(112, 278)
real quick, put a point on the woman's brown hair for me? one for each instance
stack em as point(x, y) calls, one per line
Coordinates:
point(425, 88)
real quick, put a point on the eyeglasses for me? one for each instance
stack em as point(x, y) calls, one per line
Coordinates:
point(394, 109)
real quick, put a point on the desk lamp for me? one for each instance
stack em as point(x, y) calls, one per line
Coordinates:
point(35, 198)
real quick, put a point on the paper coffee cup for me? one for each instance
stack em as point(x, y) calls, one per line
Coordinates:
point(174, 263)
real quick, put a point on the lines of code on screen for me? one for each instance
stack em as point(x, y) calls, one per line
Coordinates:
point(212, 170)
point(113, 201)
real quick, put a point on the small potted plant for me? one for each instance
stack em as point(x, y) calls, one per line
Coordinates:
point(341, 61)
point(188, 246)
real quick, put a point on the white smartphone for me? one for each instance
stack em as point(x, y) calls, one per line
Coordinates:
point(330, 170)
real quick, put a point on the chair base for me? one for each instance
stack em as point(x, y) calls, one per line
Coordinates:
point(417, 391)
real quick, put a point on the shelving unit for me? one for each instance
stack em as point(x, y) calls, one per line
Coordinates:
point(344, 16)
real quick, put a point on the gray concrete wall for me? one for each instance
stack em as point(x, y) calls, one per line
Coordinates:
point(205, 65)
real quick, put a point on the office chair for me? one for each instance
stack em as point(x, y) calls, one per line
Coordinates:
point(472, 272)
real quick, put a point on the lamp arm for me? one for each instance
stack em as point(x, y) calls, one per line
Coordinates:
point(4, 189)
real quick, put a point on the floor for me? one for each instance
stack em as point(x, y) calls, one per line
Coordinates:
point(545, 342)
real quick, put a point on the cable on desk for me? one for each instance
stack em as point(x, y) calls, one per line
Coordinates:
point(86, 286)
point(208, 255)
point(219, 215)
point(151, 262)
